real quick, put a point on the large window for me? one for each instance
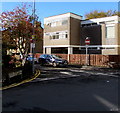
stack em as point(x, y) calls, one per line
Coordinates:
point(53, 24)
point(59, 35)
point(58, 50)
point(58, 23)
point(64, 22)
point(110, 31)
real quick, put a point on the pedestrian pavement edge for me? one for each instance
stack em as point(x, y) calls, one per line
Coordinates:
point(25, 81)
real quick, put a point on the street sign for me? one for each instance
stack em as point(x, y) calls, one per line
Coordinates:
point(31, 40)
point(32, 45)
point(87, 41)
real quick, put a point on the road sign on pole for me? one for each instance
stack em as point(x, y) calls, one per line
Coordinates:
point(33, 45)
point(87, 42)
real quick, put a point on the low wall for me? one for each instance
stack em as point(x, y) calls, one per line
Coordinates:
point(93, 59)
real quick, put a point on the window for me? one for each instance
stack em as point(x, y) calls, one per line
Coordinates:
point(48, 24)
point(58, 22)
point(64, 22)
point(54, 37)
point(53, 24)
point(87, 25)
point(63, 35)
point(110, 31)
point(66, 35)
point(59, 35)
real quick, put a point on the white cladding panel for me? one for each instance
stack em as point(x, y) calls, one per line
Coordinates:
point(61, 17)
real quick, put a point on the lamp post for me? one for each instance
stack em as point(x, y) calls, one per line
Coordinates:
point(33, 36)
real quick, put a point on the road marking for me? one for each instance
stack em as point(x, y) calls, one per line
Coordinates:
point(106, 103)
point(95, 73)
point(66, 73)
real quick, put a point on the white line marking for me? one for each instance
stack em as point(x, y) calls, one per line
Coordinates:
point(106, 103)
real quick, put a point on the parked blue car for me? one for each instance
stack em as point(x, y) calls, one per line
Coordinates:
point(48, 59)
point(30, 58)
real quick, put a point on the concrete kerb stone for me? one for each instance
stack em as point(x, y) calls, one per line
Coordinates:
point(25, 81)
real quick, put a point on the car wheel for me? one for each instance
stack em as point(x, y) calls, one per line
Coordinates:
point(35, 62)
point(54, 64)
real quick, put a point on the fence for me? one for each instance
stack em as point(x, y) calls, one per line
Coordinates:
point(94, 59)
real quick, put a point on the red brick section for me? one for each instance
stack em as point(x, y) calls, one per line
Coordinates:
point(64, 56)
point(94, 59)
point(37, 55)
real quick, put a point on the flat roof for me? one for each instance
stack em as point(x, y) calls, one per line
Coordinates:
point(102, 19)
point(63, 14)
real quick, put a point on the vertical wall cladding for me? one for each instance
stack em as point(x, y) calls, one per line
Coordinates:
point(118, 33)
point(39, 43)
point(118, 38)
point(74, 31)
point(111, 41)
point(39, 46)
point(94, 33)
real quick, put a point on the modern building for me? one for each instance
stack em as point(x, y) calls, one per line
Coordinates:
point(61, 33)
point(66, 33)
point(104, 33)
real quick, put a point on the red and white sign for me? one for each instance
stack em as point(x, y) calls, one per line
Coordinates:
point(31, 40)
point(87, 41)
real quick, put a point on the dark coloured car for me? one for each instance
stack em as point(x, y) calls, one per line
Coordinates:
point(48, 59)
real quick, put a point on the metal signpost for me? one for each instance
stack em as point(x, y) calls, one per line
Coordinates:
point(87, 42)
point(33, 36)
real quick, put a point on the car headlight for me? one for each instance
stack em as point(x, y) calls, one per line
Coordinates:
point(52, 59)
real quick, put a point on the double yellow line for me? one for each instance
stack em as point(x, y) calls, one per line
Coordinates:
point(25, 81)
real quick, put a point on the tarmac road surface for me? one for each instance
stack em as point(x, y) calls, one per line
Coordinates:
point(65, 89)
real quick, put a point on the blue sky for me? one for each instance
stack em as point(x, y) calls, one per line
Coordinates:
point(45, 9)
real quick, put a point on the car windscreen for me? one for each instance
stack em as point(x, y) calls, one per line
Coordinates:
point(54, 56)
point(43, 56)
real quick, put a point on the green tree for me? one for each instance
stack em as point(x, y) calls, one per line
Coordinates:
point(99, 14)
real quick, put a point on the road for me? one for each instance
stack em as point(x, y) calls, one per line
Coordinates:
point(65, 89)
